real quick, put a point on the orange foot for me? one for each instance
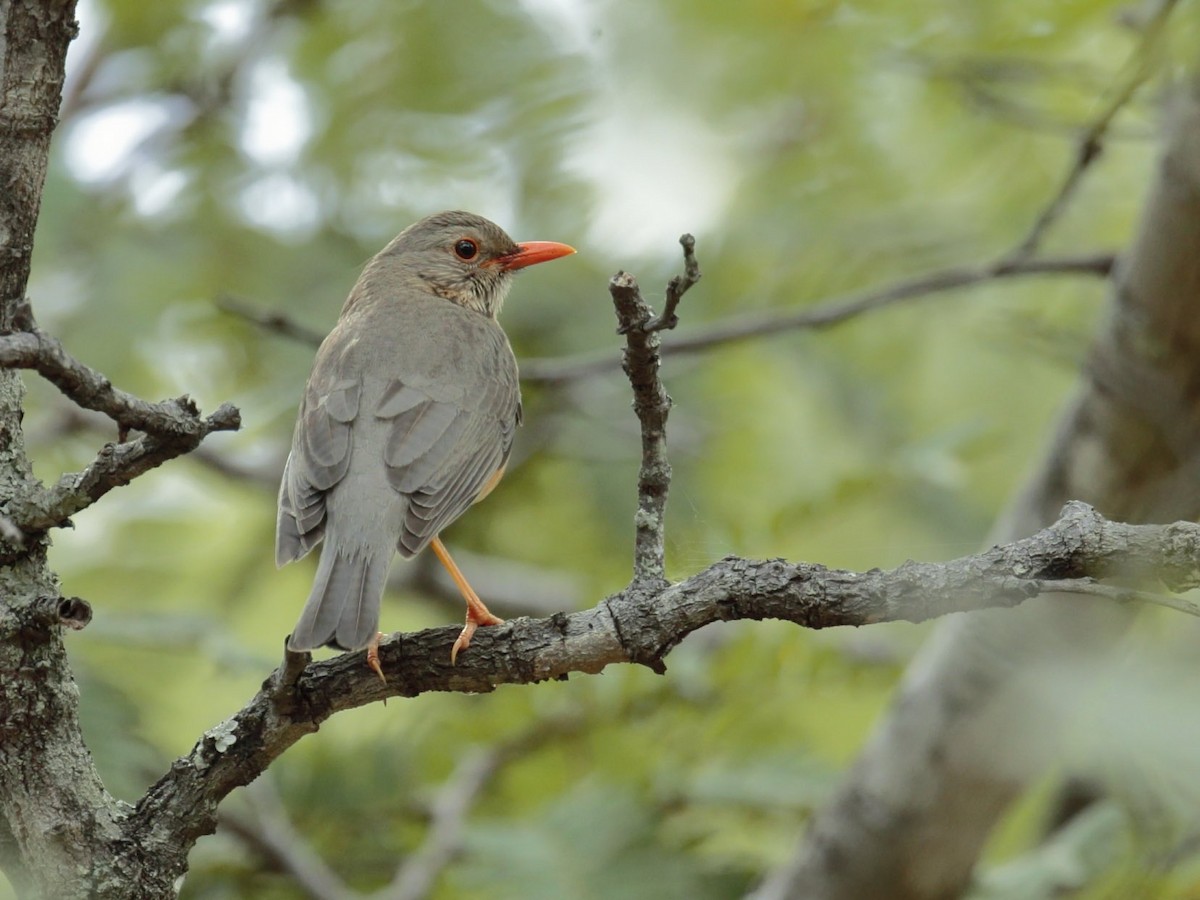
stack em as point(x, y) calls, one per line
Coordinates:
point(476, 615)
point(373, 656)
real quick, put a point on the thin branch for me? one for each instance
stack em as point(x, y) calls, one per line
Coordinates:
point(1091, 142)
point(677, 287)
point(562, 370)
point(1119, 594)
point(643, 626)
point(830, 312)
point(274, 322)
point(417, 876)
point(33, 349)
point(269, 831)
point(171, 427)
point(118, 464)
point(416, 879)
point(652, 405)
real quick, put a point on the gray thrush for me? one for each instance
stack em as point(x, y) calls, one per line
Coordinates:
point(406, 421)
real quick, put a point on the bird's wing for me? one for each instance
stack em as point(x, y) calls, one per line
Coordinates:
point(319, 459)
point(444, 447)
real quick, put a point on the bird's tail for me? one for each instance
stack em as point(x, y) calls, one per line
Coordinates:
point(343, 608)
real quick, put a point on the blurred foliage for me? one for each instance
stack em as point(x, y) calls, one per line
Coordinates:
point(264, 151)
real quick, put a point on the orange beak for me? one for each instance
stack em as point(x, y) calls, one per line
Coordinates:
point(532, 252)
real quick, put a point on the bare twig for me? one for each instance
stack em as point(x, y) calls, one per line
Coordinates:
point(171, 427)
point(677, 287)
point(273, 322)
point(269, 831)
point(1091, 142)
point(652, 405)
point(118, 464)
point(1119, 594)
point(553, 371)
point(831, 312)
point(417, 876)
point(415, 879)
point(33, 349)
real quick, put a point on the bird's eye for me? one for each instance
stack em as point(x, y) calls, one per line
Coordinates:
point(466, 249)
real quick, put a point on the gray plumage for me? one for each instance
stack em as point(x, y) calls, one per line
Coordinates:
point(407, 418)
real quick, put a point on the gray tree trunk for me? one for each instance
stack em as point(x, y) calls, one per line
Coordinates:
point(977, 716)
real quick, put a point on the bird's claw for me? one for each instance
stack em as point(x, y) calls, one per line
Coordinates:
point(373, 656)
point(474, 620)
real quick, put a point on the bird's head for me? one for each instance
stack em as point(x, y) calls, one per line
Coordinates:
point(465, 258)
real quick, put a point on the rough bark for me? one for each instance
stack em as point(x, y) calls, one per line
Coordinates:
point(55, 817)
point(640, 625)
point(914, 813)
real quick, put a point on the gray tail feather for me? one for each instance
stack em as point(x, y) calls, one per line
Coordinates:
point(343, 608)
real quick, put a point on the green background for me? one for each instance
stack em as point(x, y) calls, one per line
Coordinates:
point(264, 152)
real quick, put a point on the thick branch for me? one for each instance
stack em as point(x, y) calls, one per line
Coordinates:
point(636, 625)
point(55, 816)
point(915, 811)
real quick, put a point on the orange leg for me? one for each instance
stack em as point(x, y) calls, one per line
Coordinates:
point(373, 656)
point(477, 613)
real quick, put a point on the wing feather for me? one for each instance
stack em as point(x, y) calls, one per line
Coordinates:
point(446, 455)
point(320, 458)
point(440, 439)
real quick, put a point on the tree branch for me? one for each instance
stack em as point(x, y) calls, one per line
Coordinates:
point(942, 765)
point(33, 349)
point(118, 464)
point(677, 287)
point(828, 313)
point(640, 626)
point(269, 832)
point(172, 427)
point(1091, 142)
point(651, 403)
point(417, 876)
point(278, 323)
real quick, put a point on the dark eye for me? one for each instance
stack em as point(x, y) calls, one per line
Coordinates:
point(466, 249)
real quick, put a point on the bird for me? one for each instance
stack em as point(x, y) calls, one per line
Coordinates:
point(406, 421)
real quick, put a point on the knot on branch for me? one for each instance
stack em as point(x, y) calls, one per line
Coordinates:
point(37, 620)
point(638, 627)
point(74, 613)
point(280, 686)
